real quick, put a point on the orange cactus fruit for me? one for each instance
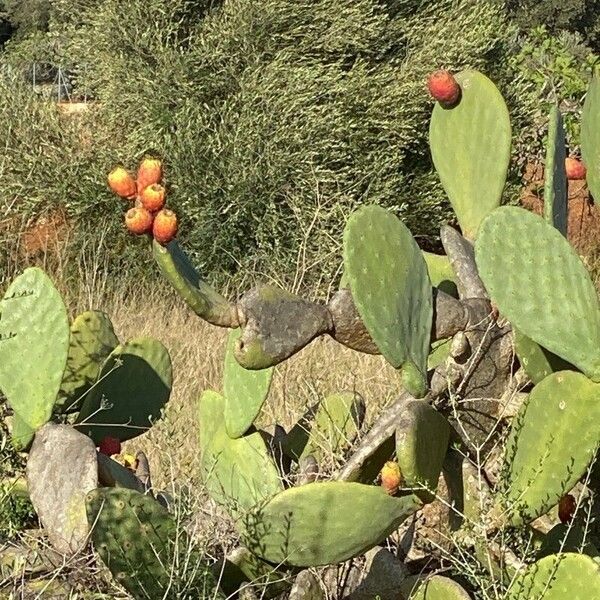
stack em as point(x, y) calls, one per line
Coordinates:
point(391, 477)
point(153, 197)
point(566, 508)
point(165, 226)
point(122, 183)
point(575, 168)
point(443, 87)
point(138, 220)
point(149, 173)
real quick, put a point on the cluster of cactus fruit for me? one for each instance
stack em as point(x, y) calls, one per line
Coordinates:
point(330, 489)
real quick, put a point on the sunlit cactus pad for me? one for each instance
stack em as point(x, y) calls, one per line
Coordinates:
point(551, 443)
point(133, 387)
point(238, 473)
point(324, 523)
point(34, 342)
point(391, 289)
point(245, 391)
point(558, 577)
point(435, 587)
point(540, 285)
point(470, 146)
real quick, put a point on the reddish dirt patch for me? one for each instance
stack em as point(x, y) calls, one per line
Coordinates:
point(583, 229)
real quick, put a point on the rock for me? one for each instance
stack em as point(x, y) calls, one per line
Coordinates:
point(306, 587)
point(61, 470)
point(382, 575)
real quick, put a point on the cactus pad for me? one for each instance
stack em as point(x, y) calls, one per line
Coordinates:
point(238, 473)
point(34, 342)
point(470, 146)
point(435, 587)
point(440, 273)
point(92, 340)
point(551, 443)
point(555, 185)
point(21, 434)
point(133, 387)
point(422, 437)
point(564, 538)
point(245, 391)
point(590, 136)
point(540, 285)
point(322, 523)
point(113, 474)
point(558, 577)
point(391, 289)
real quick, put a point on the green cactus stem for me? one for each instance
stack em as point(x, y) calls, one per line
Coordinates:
point(555, 185)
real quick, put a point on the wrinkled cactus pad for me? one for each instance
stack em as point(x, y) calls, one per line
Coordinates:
point(322, 523)
point(540, 285)
point(245, 391)
point(391, 289)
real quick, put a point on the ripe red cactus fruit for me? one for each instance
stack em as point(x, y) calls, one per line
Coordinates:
point(122, 183)
point(153, 197)
point(566, 508)
point(575, 168)
point(138, 220)
point(165, 226)
point(110, 446)
point(149, 173)
point(444, 87)
point(391, 477)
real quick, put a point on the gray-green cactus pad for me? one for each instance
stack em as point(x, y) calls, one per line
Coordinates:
point(558, 577)
point(133, 387)
point(324, 523)
point(551, 443)
point(470, 146)
point(391, 289)
point(590, 136)
point(34, 342)
point(555, 185)
point(435, 587)
point(540, 285)
point(238, 473)
point(245, 391)
point(92, 340)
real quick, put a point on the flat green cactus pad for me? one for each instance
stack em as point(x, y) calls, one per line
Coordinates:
point(133, 387)
point(555, 185)
point(238, 473)
point(567, 538)
point(470, 146)
point(540, 285)
point(34, 342)
point(558, 577)
point(551, 443)
point(336, 425)
point(422, 437)
point(245, 391)
point(21, 434)
point(92, 340)
point(440, 273)
point(435, 587)
point(536, 361)
point(440, 351)
point(590, 136)
point(324, 523)
point(391, 289)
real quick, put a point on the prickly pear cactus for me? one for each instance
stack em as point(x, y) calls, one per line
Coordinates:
point(324, 523)
point(470, 146)
point(551, 443)
point(92, 340)
point(133, 387)
point(558, 577)
point(21, 435)
point(245, 391)
point(540, 285)
point(139, 542)
point(440, 273)
point(435, 587)
point(34, 342)
point(590, 135)
point(565, 537)
point(238, 473)
point(391, 289)
point(422, 437)
point(555, 185)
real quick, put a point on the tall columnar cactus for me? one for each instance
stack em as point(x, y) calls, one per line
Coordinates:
point(133, 387)
point(555, 186)
point(470, 146)
point(392, 291)
point(34, 344)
